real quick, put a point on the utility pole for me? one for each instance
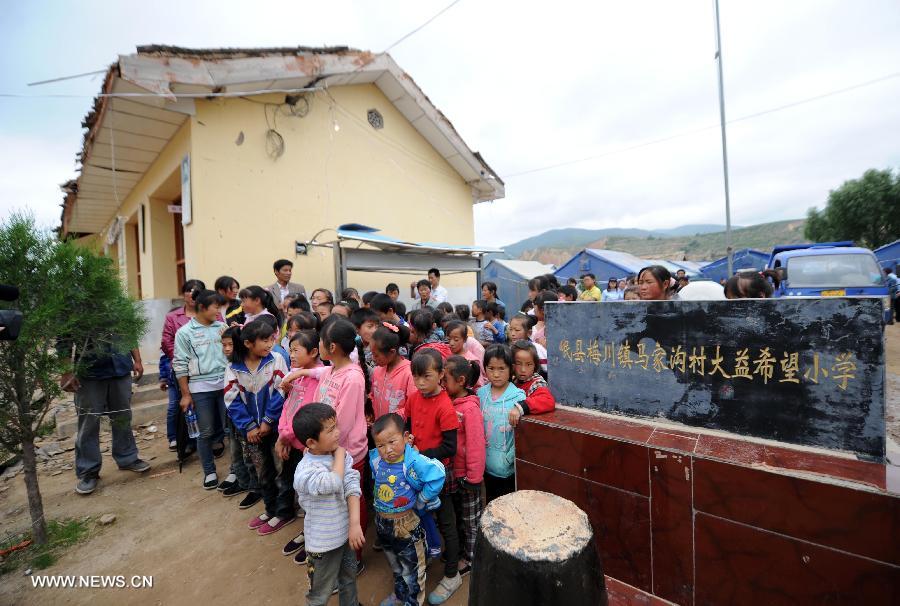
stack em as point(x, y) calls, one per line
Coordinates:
point(729, 249)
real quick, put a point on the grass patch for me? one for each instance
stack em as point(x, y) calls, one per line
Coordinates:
point(46, 428)
point(61, 534)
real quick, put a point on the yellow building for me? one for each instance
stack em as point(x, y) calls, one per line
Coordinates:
point(199, 163)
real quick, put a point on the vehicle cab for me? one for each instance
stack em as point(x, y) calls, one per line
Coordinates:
point(831, 269)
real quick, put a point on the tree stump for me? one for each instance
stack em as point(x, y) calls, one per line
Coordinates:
point(535, 549)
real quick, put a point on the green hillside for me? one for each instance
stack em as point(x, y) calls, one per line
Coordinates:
point(698, 247)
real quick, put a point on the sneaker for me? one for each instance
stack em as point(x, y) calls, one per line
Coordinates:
point(173, 445)
point(300, 557)
point(228, 482)
point(218, 450)
point(376, 546)
point(391, 600)
point(139, 466)
point(250, 500)
point(294, 545)
point(258, 521)
point(86, 485)
point(274, 525)
point(232, 490)
point(446, 588)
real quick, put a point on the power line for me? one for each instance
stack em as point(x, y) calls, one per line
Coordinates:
point(73, 77)
point(705, 128)
point(435, 16)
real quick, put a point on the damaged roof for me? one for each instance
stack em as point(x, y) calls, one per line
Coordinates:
point(147, 96)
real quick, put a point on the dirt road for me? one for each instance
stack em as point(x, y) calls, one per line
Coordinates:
point(194, 543)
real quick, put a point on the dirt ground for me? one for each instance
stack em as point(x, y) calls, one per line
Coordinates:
point(195, 543)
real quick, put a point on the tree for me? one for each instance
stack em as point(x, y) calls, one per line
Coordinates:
point(65, 291)
point(863, 210)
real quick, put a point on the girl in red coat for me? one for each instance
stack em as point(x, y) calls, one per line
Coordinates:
point(460, 378)
point(538, 398)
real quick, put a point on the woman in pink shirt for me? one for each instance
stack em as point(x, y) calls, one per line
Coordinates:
point(392, 380)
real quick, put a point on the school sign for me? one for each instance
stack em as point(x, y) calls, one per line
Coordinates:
point(803, 371)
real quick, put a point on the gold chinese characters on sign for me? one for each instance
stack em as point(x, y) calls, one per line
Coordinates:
point(764, 364)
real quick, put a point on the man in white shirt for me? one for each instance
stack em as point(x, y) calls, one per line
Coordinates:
point(438, 293)
point(283, 286)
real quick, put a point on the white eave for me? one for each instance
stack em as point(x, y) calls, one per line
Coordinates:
point(139, 127)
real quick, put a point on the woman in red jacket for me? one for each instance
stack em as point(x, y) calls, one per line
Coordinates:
point(538, 398)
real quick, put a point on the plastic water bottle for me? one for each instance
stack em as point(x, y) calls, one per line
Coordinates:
point(190, 417)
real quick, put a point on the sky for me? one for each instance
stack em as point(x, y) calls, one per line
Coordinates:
point(530, 85)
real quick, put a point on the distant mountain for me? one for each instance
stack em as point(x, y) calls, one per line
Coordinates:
point(692, 230)
point(693, 242)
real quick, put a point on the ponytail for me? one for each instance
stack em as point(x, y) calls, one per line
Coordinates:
point(390, 336)
point(265, 299)
point(255, 330)
point(459, 366)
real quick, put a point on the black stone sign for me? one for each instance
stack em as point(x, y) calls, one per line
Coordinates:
point(803, 371)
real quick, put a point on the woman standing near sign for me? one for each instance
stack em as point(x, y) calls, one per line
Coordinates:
point(655, 284)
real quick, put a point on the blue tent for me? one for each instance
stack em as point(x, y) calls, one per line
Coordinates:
point(691, 267)
point(511, 277)
point(604, 264)
point(889, 254)
point(746, 258)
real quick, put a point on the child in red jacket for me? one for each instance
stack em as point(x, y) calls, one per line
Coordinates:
point(538, 398)
point(460, 378)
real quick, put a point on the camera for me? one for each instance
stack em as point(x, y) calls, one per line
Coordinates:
point(10, 319)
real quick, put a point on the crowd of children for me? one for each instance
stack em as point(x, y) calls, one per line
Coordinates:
point(336, 409)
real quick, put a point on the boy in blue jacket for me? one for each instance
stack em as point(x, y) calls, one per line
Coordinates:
point(404, 481)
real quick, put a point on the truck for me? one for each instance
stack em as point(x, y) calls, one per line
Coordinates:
point(829, 269)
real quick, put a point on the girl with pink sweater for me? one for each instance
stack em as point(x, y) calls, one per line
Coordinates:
point(392, 380)
point(460, 376)
point(300, 390)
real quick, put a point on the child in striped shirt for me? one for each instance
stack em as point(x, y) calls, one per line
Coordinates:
point(328, 490)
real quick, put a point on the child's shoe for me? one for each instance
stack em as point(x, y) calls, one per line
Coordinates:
point(258, 521)
point(294, 545)
point(300, 557)
point(228, 482)
point(210, 482)
point(273, 525)
point(446, 588)
point(250, 500)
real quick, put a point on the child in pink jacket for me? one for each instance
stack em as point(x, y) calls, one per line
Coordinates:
point(460, 376)
point(301, 390)
point(392, 381)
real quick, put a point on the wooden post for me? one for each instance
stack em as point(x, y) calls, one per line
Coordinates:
point(534, 549)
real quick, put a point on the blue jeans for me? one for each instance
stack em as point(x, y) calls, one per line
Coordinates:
point(172, 412)
point(207, 405)
point(403, 540)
